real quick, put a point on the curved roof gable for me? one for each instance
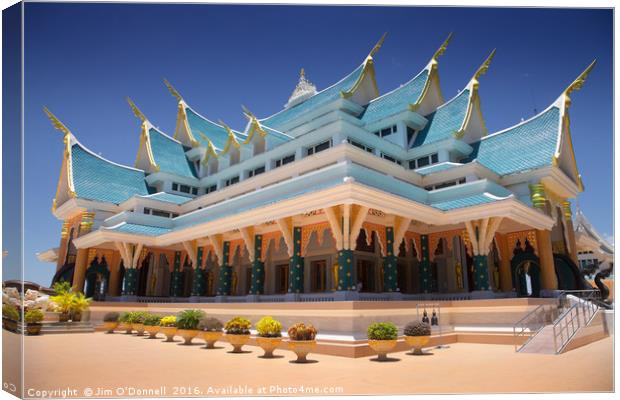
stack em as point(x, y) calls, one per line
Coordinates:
point(205, 130)
point(95, 178)
point(446, 121)
point(169, 154)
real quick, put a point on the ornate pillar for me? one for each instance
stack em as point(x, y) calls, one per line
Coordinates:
point(570, 230)
point(481, 272)
point(390, 263)
point(258, 267)
point(538, 196)
point(176, 282)
point(198, 285)
point(545, 254)
point(345, 270)
point(130, 282)
point(79, 272)
point(425, 266)
point(225, 278)
point(62, 247)
point(296, 264)
point(115, 266)
point(505, 273)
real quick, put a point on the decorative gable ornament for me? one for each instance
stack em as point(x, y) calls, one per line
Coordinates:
point(303, 91)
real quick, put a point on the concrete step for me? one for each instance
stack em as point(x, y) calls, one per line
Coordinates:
point(67, 327)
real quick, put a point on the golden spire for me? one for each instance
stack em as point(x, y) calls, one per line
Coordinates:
point(302, 73)
point(228, 129)
point(136, 110)
point(581, 79)
point(56, 122)
point(442, 48)
point(377, 46)
point(172, 90)
point(484, 67)
point(248, 114)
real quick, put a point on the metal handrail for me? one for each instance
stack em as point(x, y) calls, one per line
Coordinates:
point(564, 328)
point(524, 324)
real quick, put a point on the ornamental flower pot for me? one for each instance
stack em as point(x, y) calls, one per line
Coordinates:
point(187, 335)
point(237, 341)
point(382, 347)
point(211, 337)
point(301, 349)
point(63, 317)
point(416, 343)
point(110, 326)
point(152, 331)
point(33, 329)
point(124, 326)
point(268, 344)
point(139, 328)
point(169, 331)
point(9, 324)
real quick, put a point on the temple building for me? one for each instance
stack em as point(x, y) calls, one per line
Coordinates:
point(344, 194)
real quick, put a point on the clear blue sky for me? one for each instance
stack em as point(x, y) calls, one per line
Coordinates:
point(83, 59)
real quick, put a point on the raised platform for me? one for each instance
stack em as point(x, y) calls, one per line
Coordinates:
point(342, 325)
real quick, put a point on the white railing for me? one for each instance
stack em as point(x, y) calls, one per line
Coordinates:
point(532, 323)
point(578, 315)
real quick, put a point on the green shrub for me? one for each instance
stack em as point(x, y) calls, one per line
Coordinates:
point(210, 325)
point(238, 326)
point(189, 319)
point(417, 328)
point(269, 327)
point(64, 302)
point(10, 312)
point(382, 331)
point(34, 316)
point(62, 287)
point(138, 317)
point(152, 320)
point(124, 318)
point(300, 331)
point(111, 317)
point(168, 321)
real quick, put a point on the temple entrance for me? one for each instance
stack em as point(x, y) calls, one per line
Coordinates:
point(281, 271)
point(567, 272)
point(97, 278)
point(158, 280)
point(526, 274)
point(143, 274)
point(318, 276)
point(366, 273)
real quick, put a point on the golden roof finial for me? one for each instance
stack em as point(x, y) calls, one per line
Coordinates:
point(136, 110)
point(302, 73)
point(581, 79)
point(228, 129)
point(172, 90)
point(484, 67)
point(377, 46)
point(442, 48)
point(56, 122)
point(248, 114)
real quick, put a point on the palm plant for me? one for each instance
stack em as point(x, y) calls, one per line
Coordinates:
point(189, 319)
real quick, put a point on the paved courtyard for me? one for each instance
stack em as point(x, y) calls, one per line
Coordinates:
point(120, 365)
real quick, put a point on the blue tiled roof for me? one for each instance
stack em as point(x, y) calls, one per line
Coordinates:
point(141, 229)
point(282, 137)
point(168, 197)
point(445, 121)
point(395, 101)
point(215, 132)
point(169, 155)
point(95, 178)
point(523, 147)
point(323, 97)
point(436, 168)
point(462, 202)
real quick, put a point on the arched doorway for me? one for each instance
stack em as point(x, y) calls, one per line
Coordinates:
point(525, 267)
point(97, 279)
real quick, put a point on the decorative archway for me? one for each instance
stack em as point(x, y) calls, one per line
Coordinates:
point(525, 267)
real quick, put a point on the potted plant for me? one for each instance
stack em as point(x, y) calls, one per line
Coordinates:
point(417, 335)
point(110, 321)
point(124, 322)
point(64, 304)
point(137, 322)
point(238, 332)
point(168, 326)
point(269, 335)
point(211, 331)
point(187, 324)
point(302, 340)
point(151, 325)
point(33, 320)
point(79, 304)
point(10, 316)
point(382, 338)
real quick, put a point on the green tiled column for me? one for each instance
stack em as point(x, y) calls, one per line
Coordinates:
point(345, 270)
point(198, 285)
point(224, 282)
point(130, 282)
point(425, 266)
point(176, 283)
point(390, 263)
point(258, 268)
point(296, 265)
point(481, 272)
